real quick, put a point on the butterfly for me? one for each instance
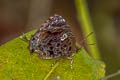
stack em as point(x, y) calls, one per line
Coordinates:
point(54, 39)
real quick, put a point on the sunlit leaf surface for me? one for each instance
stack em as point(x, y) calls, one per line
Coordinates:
point(16, 63)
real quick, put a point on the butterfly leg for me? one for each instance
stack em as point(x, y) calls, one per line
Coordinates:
point(71, 62)
point(24, 38)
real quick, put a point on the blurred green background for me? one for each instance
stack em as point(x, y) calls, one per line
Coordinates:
point(20, 16)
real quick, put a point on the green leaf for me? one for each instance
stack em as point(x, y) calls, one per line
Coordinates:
point(16, 63)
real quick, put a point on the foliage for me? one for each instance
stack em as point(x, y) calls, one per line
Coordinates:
point(16, 63)
point(87, 27)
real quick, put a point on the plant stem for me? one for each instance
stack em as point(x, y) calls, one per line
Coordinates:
point(112, 75)
point(87, 27)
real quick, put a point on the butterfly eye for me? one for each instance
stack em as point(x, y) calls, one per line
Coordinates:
point(35, 38)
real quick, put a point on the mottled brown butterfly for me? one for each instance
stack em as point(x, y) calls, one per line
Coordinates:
point(54, 39)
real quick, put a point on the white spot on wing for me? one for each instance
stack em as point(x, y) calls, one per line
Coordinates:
point(64, 37)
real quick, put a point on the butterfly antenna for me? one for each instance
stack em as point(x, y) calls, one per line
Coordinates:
point(87, 37)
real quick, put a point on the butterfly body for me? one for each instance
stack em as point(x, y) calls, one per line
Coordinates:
point(54, 39)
